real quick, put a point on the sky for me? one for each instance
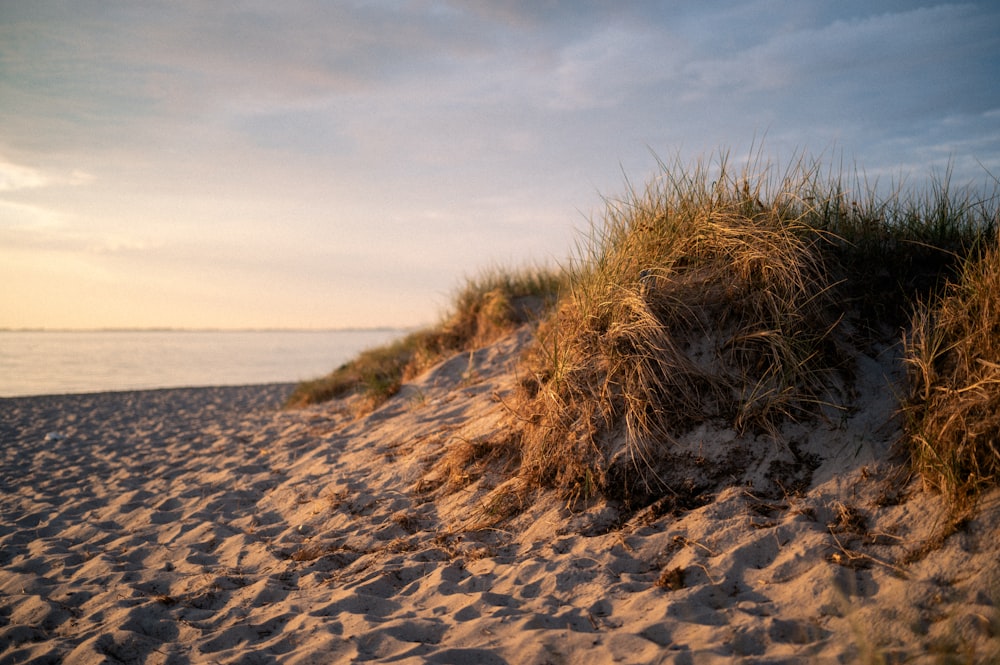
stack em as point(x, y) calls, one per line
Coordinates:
point(326, 164)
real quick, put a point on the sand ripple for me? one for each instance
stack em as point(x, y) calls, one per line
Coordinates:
point(206, 525)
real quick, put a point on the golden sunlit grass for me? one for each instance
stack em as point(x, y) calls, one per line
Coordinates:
point(733, 297)
point(953, 404)
point(693, 301)
point(714, 296)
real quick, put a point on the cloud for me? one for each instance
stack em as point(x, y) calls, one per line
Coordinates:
point(869, 53)
point(14, 177)
point(25, 217)
point(27, 227)
point(353, 142)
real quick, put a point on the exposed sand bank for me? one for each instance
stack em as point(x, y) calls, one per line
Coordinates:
point(206, 525)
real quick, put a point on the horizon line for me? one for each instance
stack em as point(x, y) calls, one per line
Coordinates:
point(207, 329)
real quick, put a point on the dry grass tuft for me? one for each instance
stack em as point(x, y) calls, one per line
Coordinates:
point(717, 297)
point(505, 501)
point(695, 301)
point(953, 406)
point(376, 373)
point(468, 460)
point(671, 579)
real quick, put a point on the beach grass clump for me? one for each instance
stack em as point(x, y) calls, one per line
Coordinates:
point(492, 304)
point(376, 373)
point(731, 298)
point(895, 248)
point(484, 309)
point(702, 298)
point(953, 403)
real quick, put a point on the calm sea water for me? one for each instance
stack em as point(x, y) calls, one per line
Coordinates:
point(45, 363)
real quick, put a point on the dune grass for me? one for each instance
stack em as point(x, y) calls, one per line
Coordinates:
point(953, 404)
point(484, 309)
point(375, 373)
point(731, 296)
point(721, 296)
point(691, 301)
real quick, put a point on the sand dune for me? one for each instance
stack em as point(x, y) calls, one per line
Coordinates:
point(207, 525)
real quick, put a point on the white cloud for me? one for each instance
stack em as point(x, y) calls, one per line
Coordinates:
point(14, 177)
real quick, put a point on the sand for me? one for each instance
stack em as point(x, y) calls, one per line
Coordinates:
point(208, 525)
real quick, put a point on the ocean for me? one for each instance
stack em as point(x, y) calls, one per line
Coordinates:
point(63, 362)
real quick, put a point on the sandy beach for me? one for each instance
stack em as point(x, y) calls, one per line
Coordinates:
point(208, 525)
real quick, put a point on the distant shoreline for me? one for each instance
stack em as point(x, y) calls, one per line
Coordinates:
point(208, 330)
point(55, 363)
point(266, 386)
